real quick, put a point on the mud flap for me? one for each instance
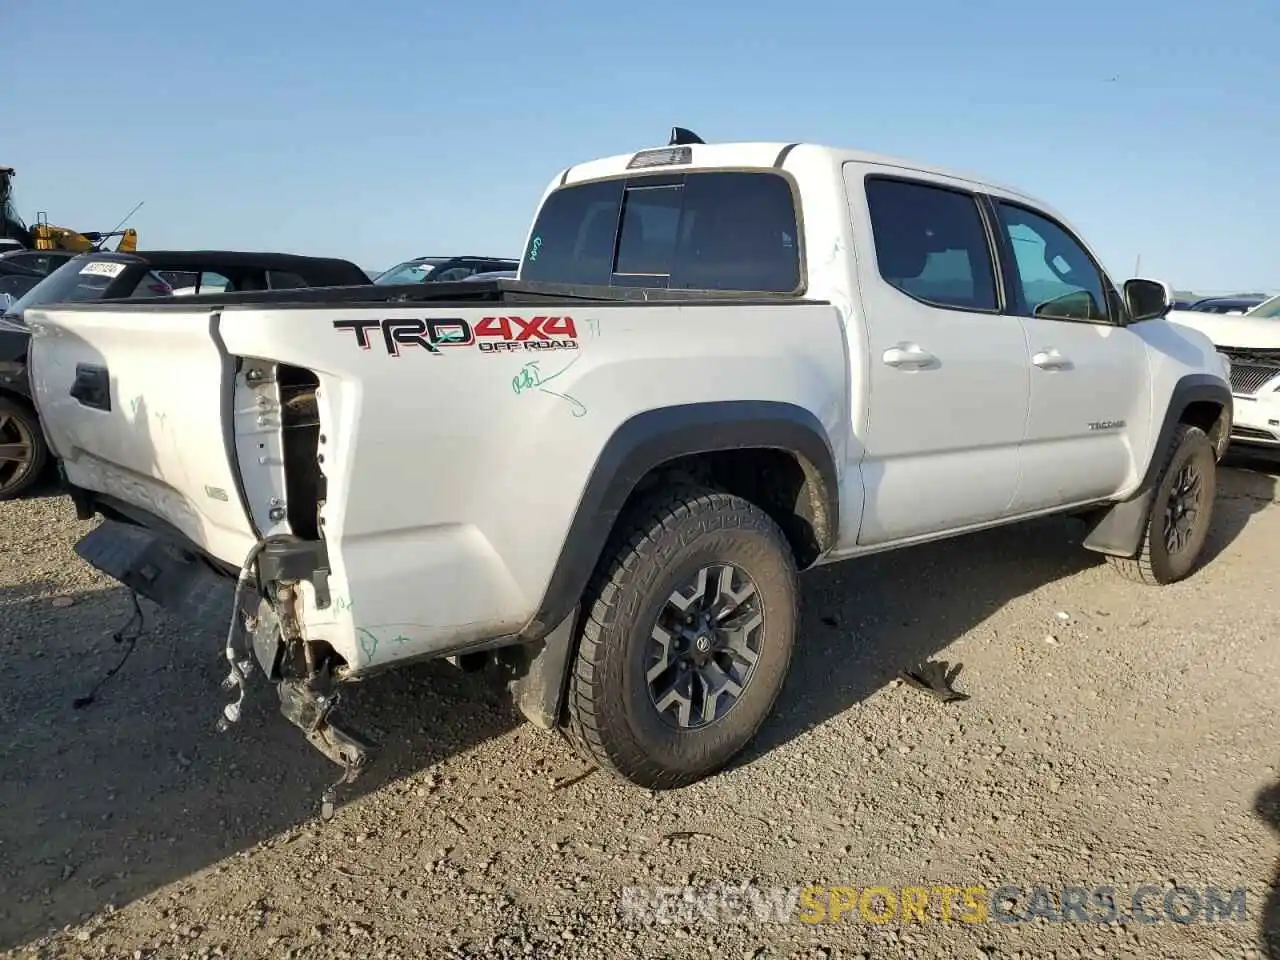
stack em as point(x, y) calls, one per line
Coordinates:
point(1118, 530)
point(539, 673)
point(153, 566)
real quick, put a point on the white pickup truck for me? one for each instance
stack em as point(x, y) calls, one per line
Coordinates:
point(720, 364)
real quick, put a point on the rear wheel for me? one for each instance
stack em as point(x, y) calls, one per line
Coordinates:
point(23, 454)
point(690, 624)
point(1180, 512)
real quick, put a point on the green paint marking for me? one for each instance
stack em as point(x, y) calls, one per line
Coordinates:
point(526, 379)
point(368, 643)
point(530, 378)
point(579, 408)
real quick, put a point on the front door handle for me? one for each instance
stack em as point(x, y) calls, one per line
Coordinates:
point(909, 356)
point(1051, 359)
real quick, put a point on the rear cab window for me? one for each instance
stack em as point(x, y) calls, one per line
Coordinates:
point(701, 230)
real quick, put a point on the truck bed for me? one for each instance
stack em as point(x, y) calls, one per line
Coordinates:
point(434, 442)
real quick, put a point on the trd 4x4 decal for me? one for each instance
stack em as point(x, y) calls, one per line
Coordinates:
point(489, 335)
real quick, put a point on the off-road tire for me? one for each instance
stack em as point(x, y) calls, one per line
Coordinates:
point(611, 718)
point(14, 413)
point(1154, 565)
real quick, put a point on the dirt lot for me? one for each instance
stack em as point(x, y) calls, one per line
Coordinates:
point(1114, 735)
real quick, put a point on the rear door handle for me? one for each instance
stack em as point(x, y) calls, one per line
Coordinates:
point(1051, 359)
point(909, 356)
point(92, 386)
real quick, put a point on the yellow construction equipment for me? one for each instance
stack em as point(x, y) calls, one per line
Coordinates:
point(47, 236)
point(44, 235)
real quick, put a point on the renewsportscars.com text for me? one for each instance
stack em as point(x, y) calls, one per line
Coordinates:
point(938, 903)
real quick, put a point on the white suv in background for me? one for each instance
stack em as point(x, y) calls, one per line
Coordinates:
point(1251, 341)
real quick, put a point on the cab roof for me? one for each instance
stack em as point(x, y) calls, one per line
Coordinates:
point(757, 154)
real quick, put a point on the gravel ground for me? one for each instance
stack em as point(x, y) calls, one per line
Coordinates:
point(1114, 735)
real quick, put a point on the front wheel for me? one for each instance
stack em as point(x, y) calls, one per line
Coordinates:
point(1181, 512)
point(690, 623)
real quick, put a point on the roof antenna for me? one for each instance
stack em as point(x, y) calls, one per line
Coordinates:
point(681, 136)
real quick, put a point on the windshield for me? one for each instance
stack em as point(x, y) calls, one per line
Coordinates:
point(71, 284)
point(411, 271)
point(78, 282)
point(1267, 309)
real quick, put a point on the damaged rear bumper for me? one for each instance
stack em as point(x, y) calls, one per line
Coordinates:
point(158, 568)
point(260, 605)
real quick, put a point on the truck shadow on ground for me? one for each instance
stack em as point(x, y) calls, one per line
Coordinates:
point(867, 620)
point(1267, 807)
point(138, 790)
point(107, 803)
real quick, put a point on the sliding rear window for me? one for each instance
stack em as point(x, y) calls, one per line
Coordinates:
point(728, 230)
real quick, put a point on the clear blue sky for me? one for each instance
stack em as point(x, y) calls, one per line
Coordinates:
point(387, 129)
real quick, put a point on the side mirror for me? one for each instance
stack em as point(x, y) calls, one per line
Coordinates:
point(1147, 299)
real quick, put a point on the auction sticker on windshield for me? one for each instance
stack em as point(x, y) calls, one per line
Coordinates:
point(103, 268)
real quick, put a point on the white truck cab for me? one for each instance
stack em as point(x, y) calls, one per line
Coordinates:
point(720, 364)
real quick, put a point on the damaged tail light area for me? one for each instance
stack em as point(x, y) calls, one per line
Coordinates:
point(303, 461)
point(280, 442)
point(277, 437)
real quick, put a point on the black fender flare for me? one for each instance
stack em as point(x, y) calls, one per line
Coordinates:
point(639, 445)
point(1118, 529)
point(658, 436)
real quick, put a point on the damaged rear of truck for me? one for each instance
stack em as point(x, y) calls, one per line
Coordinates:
point(359, 479)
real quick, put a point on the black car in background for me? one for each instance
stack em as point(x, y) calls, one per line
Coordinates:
point(444, 269)
point(16, 280)
point(106, 275)
point(22, 269)
point(43, 262)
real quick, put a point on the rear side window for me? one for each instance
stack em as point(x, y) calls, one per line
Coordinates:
point(151, 285)
point(733, 231)
point(189, 283)
point(931, 244)
point(284, 280)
